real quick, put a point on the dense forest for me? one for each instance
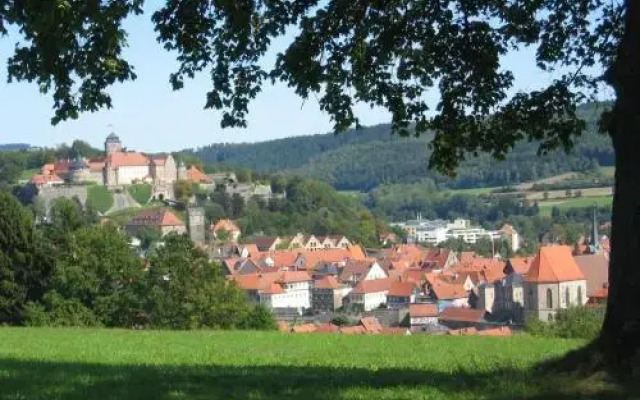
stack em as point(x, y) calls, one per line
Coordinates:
point(366, 158)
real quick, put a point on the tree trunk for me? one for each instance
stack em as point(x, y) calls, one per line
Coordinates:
point(620, 338)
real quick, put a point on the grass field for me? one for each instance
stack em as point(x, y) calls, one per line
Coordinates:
point(28, 173)
point(473, 191)
point(100, 198)
point(38, 363)
point(608, 171)
point(141, 193)
point(602, 201)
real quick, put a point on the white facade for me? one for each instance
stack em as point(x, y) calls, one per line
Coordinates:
point(419, 321)
point(369, 301)
point(295, 295)
point(438, 231)
point(375, 272)
point(127, 174)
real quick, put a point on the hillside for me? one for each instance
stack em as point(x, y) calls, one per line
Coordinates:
point(362, 160)
point(14, 146)
point(127, 364)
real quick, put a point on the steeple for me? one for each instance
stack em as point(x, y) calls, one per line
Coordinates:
point(595, 243)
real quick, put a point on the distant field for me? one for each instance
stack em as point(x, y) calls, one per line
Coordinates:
point(121, 364)
point(556, 194)
point(141, 193)
point(546, 206)
point(350, 193)
point(608, 171)
point(474, 191)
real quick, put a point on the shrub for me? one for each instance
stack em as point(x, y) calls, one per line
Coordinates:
point(141, 192)
point(572, 323)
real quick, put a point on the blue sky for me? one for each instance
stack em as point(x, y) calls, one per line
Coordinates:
point(149, 116)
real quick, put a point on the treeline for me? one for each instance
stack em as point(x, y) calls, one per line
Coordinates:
point(72, 273)
point(362, 160)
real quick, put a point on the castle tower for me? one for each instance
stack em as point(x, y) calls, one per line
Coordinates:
point(196, 222)
point(182, 171)
point(595, 242)
point(112, 144)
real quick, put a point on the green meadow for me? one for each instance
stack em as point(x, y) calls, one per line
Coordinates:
point(580, 202)
point(47, 363)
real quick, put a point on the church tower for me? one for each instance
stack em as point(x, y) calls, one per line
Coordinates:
point(182, 171)
point(196, 221)
point(112, 144)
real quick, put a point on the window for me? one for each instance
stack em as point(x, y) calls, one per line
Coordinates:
point(549, 299)
point(567, 297)
point(579, 295)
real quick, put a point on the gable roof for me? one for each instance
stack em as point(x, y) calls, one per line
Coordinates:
point(356, 269)
point(520, 265)
point(448, 291)
point(462, 314)
point(294, 276)
point(128, 159)
point(44, 179)
point(313, 258)
point(327, 282)
point(264, 243)
point(280, 259)
point(423, 310)
point(401, 289)
point(371, 324)
point(554, 264)
point(372, 286)
point(160, 217)
point(225, 224)
point(195, 175)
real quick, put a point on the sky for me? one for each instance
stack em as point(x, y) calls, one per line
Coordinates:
point(149, 116)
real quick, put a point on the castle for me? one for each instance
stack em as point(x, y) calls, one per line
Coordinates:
point(117, 167)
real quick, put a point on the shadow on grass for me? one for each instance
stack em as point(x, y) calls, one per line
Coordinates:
point(54, 380)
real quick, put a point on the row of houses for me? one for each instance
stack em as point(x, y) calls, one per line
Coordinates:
point(482, 290)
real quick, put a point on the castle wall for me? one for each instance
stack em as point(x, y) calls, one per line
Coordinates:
point(46, 195)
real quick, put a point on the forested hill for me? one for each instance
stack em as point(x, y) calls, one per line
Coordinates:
point(14, 146)
point(364, 159)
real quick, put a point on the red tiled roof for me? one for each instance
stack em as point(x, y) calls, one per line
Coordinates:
point(253, 251)
point(462, 314)
point(283, 326)
point(281, 259)
point(44, 179)
point(159, 160)
point(327, 282)
point(423, 310)
point(401, 289)
point(501, 331)
point(395, 331)
point(448, 291)
point(353, 330)
point(372, 286)
point(312, 258)
point(256, 281)
point(195, 175)
point(306, 328)
point(554, 264)
point(128, 159)
point(371, 324)
point(595, 268)
point(47, 169)
point(601, 294)
point(274, 288)
point(156, 218)
point(225, 224)
point(327, 328)
point(294, 276)
point(520, 264)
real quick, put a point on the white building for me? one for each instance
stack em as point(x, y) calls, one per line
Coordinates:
point(370, 294)
point(434, 232)
point(292, 290)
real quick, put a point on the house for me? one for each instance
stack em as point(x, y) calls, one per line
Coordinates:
point(401, 294)
point(327, 294)
point(458, 317)
point(388, 238)
point(554, 281)
point(240, 266)
point(291, 290)
point(446, 294)
point(315, 243)
point(327, 328)
point(304, 328)
point(500, 331)
point(225, 227)
point(309, 260)
point(163, 220)
point(47, 180)
point(356, 271)
point(254, 284)
point(369, 294)
point(282, 260)
point(267, 244)
point(249, 251)
point(423, 314)
point(503, 299)
point(353, 330)
point(194, 175)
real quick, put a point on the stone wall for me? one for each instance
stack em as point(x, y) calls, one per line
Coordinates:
point(46, 195)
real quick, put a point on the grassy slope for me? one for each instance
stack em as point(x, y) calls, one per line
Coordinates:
point(100, 198)
point(141, 193)
point(119, 364)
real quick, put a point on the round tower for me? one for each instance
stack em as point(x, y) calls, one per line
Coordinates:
point(112, 144)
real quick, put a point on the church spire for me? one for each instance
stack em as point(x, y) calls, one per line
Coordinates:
point(595, 245)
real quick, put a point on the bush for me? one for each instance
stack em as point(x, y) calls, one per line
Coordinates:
point(141, 193)
point(58, 311)
point(571, 323)
point(99, 198)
